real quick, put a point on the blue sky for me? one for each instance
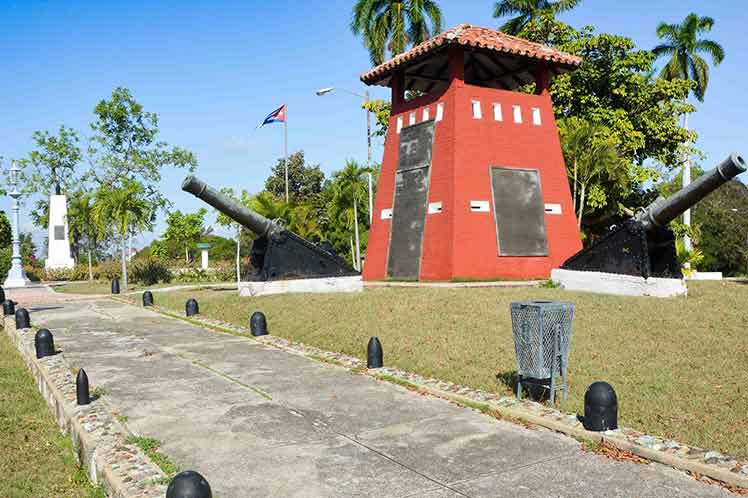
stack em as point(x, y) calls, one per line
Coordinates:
point(213, 70)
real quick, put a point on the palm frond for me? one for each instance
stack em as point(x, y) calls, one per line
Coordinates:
point(668, 31)
point(514, 26)
point(699, 74)
point(712, 48)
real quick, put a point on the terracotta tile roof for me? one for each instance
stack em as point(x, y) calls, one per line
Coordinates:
point(468, 35)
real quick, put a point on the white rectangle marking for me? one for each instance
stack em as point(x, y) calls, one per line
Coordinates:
point(476, 109)
point(536, 116)
point(497, 113)
point(426, 114)
point(435, 207)
point(399, 123)
point(440, 111)
point(386, 214)
point(553, 208)
point(412, 119)
point(517, 111)
point(479, 206)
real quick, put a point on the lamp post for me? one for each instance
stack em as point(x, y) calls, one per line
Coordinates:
point(365, 96)
point(16, 275)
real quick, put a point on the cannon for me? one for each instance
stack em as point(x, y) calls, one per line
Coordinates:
point(644, 245)
point(277, 253)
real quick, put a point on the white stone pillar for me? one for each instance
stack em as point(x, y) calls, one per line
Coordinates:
point(204, 261)
point(58, 250)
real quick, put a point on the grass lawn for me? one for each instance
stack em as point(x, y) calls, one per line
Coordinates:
point(36, 459)
point(679, 365)
point(103, 287)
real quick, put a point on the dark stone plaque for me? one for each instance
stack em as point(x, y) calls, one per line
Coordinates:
point(411, 196)
point(519, 212)
point(59, 232)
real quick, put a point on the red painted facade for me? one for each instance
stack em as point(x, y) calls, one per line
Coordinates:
point(459, 242)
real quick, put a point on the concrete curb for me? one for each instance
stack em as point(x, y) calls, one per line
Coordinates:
point(99, 439)
point(712, 464)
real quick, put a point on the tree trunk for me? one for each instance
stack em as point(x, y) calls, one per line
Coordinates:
point(90, 266)
point(186, 255)
point(358, 243)
point(581, 207)
point(124, 264)
point(686, 180)
point(238, 251)
point(574, 195)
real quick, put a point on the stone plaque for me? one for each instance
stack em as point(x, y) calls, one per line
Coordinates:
point(411, 195)
point(519, 212)
point(59, 232)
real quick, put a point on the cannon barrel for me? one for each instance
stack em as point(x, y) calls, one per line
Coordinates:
point(663, 211)
point(246, 217)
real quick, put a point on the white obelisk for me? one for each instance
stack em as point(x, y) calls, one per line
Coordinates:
point(58, 251)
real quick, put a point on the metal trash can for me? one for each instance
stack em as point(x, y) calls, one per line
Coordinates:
point(542, 340)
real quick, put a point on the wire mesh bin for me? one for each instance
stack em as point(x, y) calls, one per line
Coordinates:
point(542, 340)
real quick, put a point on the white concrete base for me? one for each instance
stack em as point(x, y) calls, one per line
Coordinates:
point(313, 285)
point(621, 285)
point(705, 275)
point(58, 250)
point(15, 283)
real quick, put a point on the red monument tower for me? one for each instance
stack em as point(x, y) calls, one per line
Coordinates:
point(473, 183)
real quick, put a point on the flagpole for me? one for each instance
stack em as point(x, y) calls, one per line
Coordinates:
point(285, 148)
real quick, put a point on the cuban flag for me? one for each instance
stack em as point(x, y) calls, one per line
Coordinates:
point(277, 116)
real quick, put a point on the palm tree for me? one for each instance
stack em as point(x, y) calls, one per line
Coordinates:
point(683, 46)
point(528, 10)
point(349, 190)
point(390, 25)
point(82, 225)
point(123, 209)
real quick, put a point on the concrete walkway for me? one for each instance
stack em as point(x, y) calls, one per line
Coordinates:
point(259, 422)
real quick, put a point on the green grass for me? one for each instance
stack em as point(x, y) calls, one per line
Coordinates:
point(679, 365)
point(36, 459)
point(105, 287)
point(150, 447)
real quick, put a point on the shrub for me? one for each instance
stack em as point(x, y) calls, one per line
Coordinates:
point(150, 271)
point(5, 257)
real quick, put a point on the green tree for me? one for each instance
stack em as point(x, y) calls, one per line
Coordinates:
point(184, 229)
point(123, 209)
point(683, 47)
point(6, 237)
point(82, 226)
point(526, 11)
point(347, 209)
point(53, 165)
point(229, 223)
point(382, 110)
point(304, 180)
point(592, 161)
point(391, 25)
point(54, 160)
point(722, 221)
point(124, 147)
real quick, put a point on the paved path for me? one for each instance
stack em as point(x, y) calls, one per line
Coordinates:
point(259, 422)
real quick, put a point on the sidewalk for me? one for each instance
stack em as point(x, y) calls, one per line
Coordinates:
point(259, 422)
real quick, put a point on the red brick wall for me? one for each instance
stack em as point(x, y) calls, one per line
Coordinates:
point(460, 243)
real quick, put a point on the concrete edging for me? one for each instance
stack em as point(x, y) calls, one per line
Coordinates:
point(714, 465)
point(99, 439)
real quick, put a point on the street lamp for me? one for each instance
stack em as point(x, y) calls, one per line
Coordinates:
point(16, 275)
point(324, 91)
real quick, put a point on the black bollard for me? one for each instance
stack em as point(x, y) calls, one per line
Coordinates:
point(44, 343)
point(82, 394)
point(9, 307)
point(374, 354)
point(22, 319)
point(115, 286)
point(147, 298)
point(188, 484)
point(600, 407)
point(2, 294)
point(258, 324)
point(191, 308)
